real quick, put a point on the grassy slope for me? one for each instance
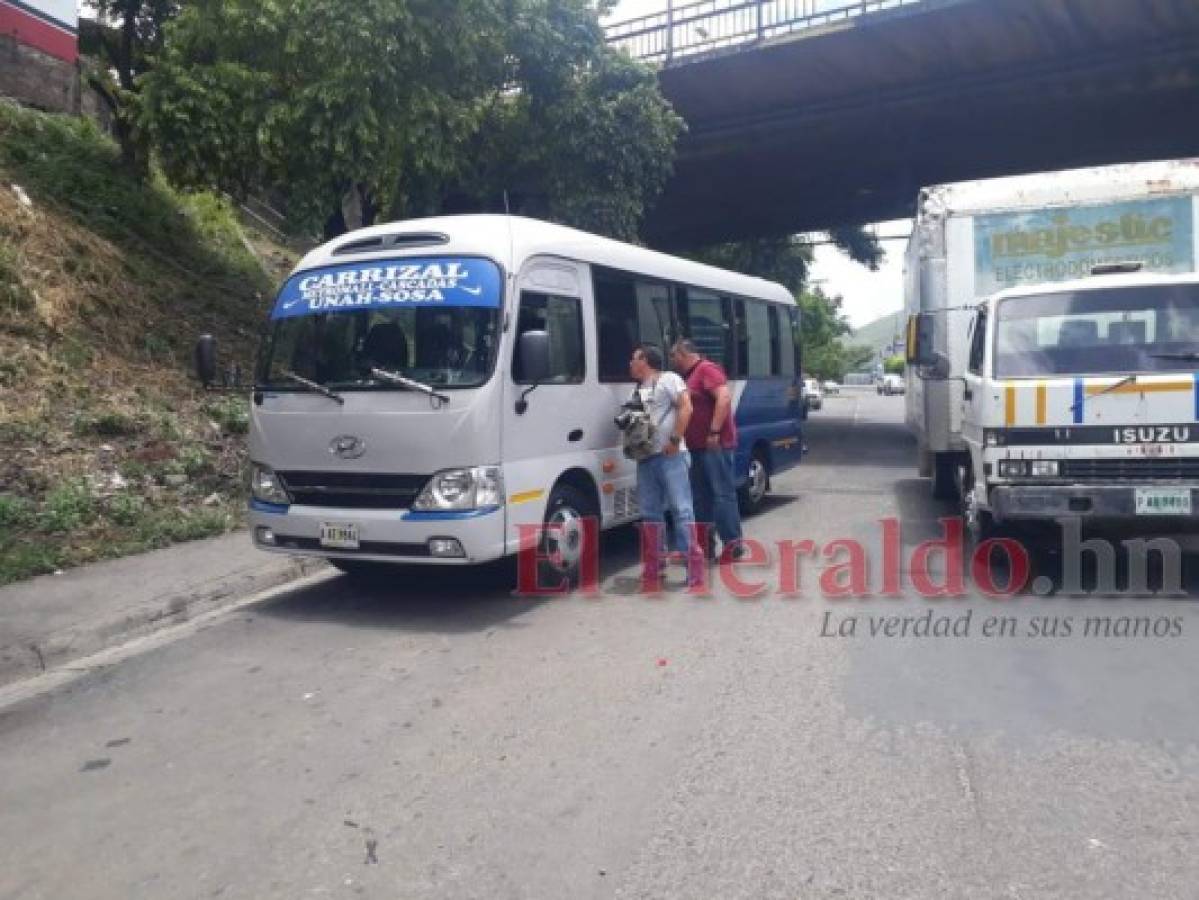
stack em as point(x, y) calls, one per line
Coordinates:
point(106, 447)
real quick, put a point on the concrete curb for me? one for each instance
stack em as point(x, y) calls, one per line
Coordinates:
point(28, 649)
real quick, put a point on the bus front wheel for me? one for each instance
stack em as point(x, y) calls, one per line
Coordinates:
point(562, 546)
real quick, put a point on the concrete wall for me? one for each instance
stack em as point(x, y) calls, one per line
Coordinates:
point(38, 79)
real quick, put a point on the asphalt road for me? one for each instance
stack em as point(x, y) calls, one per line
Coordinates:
point(437, 737)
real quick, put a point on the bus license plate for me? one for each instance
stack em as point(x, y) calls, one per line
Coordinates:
point(1163, 502)
point(339, 535)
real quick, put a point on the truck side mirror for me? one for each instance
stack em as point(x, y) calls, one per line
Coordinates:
point(205, 359)
point(921, 345)
point(940, 368)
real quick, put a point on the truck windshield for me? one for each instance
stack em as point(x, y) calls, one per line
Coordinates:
point(434, 321)
point(1149, 328)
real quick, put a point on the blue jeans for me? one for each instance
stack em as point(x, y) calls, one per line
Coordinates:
point(662, 485)
point(714, 487)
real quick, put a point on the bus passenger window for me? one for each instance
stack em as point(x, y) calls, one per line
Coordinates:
point(615, 324)
point(560, 317)
point(786, 340)
point(796, 340)
point(708, 327)
point(740, 340)
point(654, 325)
point(775, 340)
point(758, 344)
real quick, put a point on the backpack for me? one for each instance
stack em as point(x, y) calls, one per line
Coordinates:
point(639, 432)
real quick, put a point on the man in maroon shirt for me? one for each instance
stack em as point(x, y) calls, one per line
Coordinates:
point(711, 437)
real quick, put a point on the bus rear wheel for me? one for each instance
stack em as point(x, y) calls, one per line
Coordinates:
point(756, 486)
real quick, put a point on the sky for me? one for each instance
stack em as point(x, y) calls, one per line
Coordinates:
point(865, 295)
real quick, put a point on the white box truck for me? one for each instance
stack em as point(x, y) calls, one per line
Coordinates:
point(978, 240)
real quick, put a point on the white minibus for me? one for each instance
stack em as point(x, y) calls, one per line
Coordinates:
point(427, 387)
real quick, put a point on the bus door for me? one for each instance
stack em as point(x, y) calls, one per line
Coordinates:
point(546, 425)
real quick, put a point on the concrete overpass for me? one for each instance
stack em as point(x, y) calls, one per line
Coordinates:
point(804, 114)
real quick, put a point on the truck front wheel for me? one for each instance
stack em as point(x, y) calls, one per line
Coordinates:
point(978, 523)
point(944, 474)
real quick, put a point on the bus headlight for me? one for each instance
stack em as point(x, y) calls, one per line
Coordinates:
point(1043, 468)
point(460, 489)
point(1012, 468)
point(265, 486)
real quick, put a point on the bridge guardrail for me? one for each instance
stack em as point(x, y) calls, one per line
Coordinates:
point(684, 31)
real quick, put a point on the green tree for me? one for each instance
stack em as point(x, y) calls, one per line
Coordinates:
point(409, 107)
point(859, 245)
point(782, 259)
point(893, 365)
point(823, 327)
point(786, 260)
point(124, 39)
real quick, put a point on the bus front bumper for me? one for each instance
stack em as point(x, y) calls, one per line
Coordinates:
point(382, 535)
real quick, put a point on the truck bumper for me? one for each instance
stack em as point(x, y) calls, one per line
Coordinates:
point(1016, 502)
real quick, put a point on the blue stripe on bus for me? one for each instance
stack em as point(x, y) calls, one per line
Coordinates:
point(1079, 399)
point(1196, 380)
point(765, 415)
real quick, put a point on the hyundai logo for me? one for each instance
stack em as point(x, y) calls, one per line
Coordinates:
point(347, 446)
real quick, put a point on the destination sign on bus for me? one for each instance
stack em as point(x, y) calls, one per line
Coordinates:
point(437, 281)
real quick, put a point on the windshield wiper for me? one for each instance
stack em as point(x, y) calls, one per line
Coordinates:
point(1189, 354)
point(410, 383)
point(313, 386)
point(1127, 379)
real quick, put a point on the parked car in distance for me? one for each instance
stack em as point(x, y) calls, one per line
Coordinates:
point(831, 387)
point(891, 384)
point(812, 395)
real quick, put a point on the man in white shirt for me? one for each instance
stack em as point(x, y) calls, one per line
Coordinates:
point(662, 479)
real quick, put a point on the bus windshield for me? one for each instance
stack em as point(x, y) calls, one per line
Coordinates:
point(1148, 328)
point(435, 321)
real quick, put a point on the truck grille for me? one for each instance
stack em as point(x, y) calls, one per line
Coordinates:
point(1175, 469)
point(353, 490)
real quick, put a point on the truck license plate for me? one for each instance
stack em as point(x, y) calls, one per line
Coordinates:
point(339, 535)
point(1163, 502)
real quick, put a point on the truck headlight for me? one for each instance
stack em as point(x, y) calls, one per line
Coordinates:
point(265, 485)
point(461, 489)
point(1043, 468)
point(1012, 468)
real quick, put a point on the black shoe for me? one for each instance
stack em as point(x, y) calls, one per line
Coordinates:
point(735, 551)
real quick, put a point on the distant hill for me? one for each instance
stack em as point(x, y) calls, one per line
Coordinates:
point(878, 334)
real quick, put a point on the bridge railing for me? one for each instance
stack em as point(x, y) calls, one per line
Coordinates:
point(686, 30)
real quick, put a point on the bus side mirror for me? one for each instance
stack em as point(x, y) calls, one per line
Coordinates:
point(534, 350)
point(921, 345)
point(205, 359)
point(533, 357)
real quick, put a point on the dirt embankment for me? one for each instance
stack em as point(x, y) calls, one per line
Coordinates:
point(107, 447)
